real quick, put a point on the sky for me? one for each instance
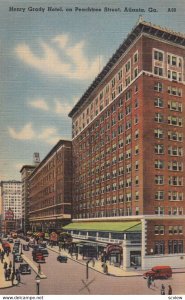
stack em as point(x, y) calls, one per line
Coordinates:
point(48, 59)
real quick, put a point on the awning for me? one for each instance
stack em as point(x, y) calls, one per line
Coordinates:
point(127, 226)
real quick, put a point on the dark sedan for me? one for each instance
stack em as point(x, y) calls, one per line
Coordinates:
point(25, 269)
point(62, 259)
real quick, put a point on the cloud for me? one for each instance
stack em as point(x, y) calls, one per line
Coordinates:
point(60, 59)
point(57, 106)
point(49, 134)
point(39, 103)
point(26, 133)
point(62, 108)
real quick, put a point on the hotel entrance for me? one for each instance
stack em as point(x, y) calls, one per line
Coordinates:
point(135, 259)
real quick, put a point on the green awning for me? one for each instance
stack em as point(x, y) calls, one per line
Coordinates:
point(127, 226)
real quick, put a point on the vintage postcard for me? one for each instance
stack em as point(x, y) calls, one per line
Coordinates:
point(92, 153)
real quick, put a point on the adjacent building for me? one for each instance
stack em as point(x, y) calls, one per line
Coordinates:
point(128, 133)
point(50, 189)
point(11, 196)
point(25, 171)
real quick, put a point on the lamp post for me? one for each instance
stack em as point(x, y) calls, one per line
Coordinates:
point(21, 250)
point(37, 281)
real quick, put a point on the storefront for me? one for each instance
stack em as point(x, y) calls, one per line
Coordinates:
point(115, 255)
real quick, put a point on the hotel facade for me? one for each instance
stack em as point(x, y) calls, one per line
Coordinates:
point(50, 190)
point(128, 133)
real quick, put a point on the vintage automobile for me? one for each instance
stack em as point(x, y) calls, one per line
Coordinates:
point(159, 272)
point(26, 247)
point(41, 249)
point(25, 269)
point(38, 257)
point(6, 246)
point(62, 259)
point(18, 258)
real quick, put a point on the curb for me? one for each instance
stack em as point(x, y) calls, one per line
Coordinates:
point(34, 268)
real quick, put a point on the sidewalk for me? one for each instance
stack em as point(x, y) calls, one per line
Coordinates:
point(3, 282)
point(112, 270)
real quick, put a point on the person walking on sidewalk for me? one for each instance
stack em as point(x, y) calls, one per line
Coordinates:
point(8, 273)
point(169, 290)
point(12, 278)
point(162, 289)
point(5, 265)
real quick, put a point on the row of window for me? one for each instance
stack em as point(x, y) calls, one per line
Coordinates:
point(174, 247)
point(172, 195)
point(172, 165)
point(160, 230)
point(172, 180)
point(172, 135)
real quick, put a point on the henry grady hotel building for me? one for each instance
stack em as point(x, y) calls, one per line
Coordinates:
point(128, 134)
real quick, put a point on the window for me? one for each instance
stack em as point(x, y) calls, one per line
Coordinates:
point(175, 151)
point(176, 106)
point(175, 196)
point(158, 133)
point(158, 55)
point(175, 121)
point(175, 136)
point(113, 82)
point(175, 166)
point(120, 74)
point(128, 109)
point(159, 118)
point(175, 246)
point(159, 164)
point(158, 102)
point(175, 91)
point(175, 181)
point(159, 247)
point(127, 66)
point(159, 179)
point(135, 72)
point(128, 94)
point(159, 149)
point(158, 87)
point(159, 229)
point(158, 71)
point(135, 57)
point(159, 210)
point(159, 195)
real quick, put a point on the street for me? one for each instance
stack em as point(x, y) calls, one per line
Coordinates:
point(70, 279)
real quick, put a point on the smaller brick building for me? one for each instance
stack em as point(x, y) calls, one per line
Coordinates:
point(50, 189)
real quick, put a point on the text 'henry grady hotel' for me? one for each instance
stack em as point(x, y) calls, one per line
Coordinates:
point(128, 151)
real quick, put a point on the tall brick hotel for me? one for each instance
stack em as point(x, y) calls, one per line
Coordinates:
point(128, 149)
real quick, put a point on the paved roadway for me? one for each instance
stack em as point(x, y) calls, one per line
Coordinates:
point(66, 279)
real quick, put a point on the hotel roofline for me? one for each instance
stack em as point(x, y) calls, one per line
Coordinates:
point(141, 27)
point(51, 152)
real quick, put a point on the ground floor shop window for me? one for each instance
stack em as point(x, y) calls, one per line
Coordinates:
point(175, 246)
point(135, 258)
point(159, 247)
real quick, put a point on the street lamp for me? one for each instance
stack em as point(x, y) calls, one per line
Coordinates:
point(37, 281)
point(21, 250)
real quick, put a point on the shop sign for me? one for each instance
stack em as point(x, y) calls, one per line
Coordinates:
point(113, 249)
point(9, 215)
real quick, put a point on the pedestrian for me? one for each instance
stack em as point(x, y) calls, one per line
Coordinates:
point(93, 262)
point(2, 256)
point(5, 274)
point(12, 278)
point(148, 281)
point(8, 273)
point(153, 281)
point(10, 264)
point(5, 265)
point(162, 289)
point(169, 290)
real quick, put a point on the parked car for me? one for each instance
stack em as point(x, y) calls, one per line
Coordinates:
point(26, 247)
point(62, 259)
point(159, 272)
point(38, 257)
point(6, 246)
point(25, 269)
point(18, 258)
